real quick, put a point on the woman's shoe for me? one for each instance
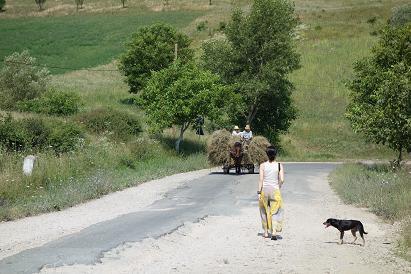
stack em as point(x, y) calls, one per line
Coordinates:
point(274, 238)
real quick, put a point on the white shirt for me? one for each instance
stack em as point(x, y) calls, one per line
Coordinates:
point(235, 133)
point(271, 175)
point(247, 135)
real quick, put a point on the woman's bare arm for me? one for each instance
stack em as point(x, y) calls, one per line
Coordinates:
point(260, 181)
point(281, 175)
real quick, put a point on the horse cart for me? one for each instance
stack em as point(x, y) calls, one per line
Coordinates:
point(232, 153)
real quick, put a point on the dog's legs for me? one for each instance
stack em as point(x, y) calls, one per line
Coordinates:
point(341, 237)
point(362, 236)
point(354, 231)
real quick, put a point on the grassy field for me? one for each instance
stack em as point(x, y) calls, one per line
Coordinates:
point(386, 193)
point(80, 41)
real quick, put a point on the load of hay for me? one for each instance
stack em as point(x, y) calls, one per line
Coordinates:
point(222, 141)
point(218, 147)
point(257, 149)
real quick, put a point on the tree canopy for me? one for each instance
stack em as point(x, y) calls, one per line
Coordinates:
point(380, 106)
point(256, 56)
point(152, 48)
point(181, 93)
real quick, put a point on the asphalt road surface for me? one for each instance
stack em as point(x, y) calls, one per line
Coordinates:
point(210, 196)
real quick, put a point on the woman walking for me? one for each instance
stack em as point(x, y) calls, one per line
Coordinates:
point(269, 195)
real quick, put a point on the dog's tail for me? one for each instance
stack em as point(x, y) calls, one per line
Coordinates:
point(362, 228)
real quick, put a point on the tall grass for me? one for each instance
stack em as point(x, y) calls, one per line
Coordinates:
point(99, 168)
point(384, 192)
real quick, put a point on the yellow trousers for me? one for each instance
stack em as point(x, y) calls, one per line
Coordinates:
point(271, 210)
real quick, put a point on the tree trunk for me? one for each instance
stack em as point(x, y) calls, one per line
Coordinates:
point(183, 128)
point(251, 114)
point(399, 155)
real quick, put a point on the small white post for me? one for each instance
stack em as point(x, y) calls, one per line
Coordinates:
point(28, 165)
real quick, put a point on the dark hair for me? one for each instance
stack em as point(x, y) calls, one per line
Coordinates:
point(271, 153)
point(237, 144)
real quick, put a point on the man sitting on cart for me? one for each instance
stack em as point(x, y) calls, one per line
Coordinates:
point(236, 131)
point(247, 135)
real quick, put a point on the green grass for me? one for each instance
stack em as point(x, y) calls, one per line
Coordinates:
point(384, 192)
point(80, 41)
point(97, 169)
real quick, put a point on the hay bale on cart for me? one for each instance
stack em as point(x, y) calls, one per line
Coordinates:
point(252, 153)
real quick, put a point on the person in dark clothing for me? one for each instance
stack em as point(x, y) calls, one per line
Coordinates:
point(236, 153)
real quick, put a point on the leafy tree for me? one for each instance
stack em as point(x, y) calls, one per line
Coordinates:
point(179, 94)
point(40, 4)
point(401, 15)
point(21, 80)
point(256, 56)
point(152, 49)
point(380, 106)
point(2, 4)
point(79, 4)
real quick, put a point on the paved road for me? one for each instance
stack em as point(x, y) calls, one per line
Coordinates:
point(214, 194)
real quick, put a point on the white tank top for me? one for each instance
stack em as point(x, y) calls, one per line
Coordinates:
point(271, 175)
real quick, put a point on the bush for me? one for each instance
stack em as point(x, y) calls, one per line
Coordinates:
point(372, 20)
point(40, 4)
point(401, 15)
point(79, 4)
point(37, 134)
point(201, 25)
point(21, 80)
point(13, 136)
point(65, 137)
point(222, 25)
point(117, 124)
point(53, 103)
point(2, 4)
